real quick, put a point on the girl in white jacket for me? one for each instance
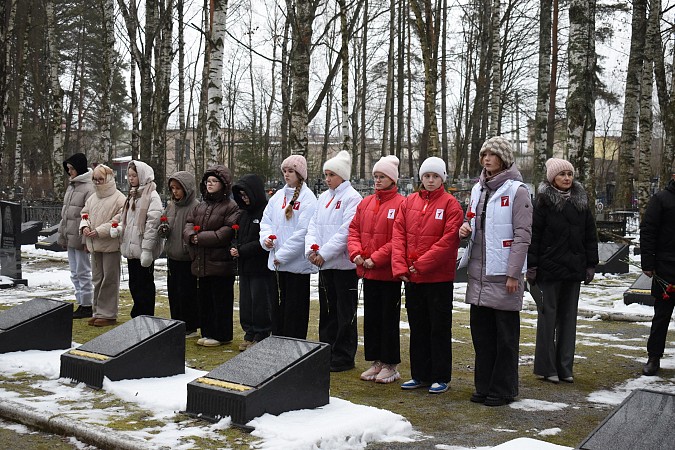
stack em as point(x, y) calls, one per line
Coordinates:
point(138, 227)
point(326, 248)
point(282, 233)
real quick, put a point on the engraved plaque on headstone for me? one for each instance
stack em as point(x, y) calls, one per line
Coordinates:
point(10, 245)
point(640, 291)
point(644, 421)
point(276, 375)
point(143, 347)
point(38, 324)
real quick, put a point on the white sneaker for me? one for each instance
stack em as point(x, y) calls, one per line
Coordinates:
point(194, 334)
point(371, 373)
point(208, 342)
point(200, 341)
point(388, 374)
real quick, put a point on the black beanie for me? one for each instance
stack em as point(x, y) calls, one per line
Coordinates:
point(78, 161)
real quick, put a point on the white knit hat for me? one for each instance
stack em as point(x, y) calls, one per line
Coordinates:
point(387, 165)
point(341, 165)
point(435, 165)
point(556, 165)
point(501, 147)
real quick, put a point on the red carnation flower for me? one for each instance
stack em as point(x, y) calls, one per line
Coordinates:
point(670, 288)
point(85, 216)
point(115, 224)
point(470, 214)
point(163, 219)
point(235, 227)
point(315, 247)
point(666, 296)
point(197, 228)
point(272, 237)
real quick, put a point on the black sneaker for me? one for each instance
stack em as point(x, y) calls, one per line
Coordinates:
point(82, 312)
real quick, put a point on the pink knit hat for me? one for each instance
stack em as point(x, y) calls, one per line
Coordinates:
point(297, 163)
point(387, 165)
point(556, 165)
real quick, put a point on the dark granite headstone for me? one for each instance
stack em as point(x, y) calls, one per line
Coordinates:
point(613, 258)
point(30, 231)
point(276, 375)
point(10, 241)
point(643, 421)
point(144, 347)
point(38, 324)
point(640, 291)
point(50, 243)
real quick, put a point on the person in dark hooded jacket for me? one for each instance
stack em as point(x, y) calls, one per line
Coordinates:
point(209, 233)
point(657, 245)
point(256, 281)
point(181, 283)
point(562, 254)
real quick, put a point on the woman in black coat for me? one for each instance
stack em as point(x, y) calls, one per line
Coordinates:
point(563, 253)
point(256, 281)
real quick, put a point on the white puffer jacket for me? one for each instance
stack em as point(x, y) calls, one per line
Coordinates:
point(79, 190)
point(329, 227)
point(289, 246)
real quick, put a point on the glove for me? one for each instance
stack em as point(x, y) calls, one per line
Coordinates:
point(531, 276)
point(590, 273)
point(115, 232)
point(146, 258)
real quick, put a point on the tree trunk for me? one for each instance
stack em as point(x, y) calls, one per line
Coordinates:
point(553, 88)
point(215, 102)
point(629, 127)
point(544, 101)
point(444, 83)
point(200, 145)
point(182, 133)
point(104, 152)
point(364, 91)
point(581, 93)
point(390, 79)
point(5, 79)
point(401, 79)
point(496, 75)
point(646, 115)
point(344, 60)
point(57, 158)
point(18, 152)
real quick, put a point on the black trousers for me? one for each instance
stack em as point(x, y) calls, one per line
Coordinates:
point(495, 336)
point(429, 307)
point(182, 289)
point(381, 318)
point(255, 303)
point(663, 310)
point(290, 304)
point(216, 303)
point(338, 300)
point(142, 288)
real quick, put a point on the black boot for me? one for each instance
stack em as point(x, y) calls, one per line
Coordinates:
point(82, 312)
point(653, 365)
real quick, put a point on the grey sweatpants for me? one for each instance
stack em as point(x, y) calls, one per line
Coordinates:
point(105, 271)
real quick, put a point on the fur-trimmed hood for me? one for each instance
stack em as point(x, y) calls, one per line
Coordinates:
point(552, 197)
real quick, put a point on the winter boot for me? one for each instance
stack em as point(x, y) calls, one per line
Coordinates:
point(653, 365)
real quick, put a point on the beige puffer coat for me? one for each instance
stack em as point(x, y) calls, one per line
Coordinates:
point(101, 207)
point(79, 190)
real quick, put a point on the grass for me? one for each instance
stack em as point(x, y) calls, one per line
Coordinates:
point(450, 418)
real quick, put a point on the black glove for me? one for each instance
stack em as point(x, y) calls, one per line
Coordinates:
point(531, 276)
point(590, 273)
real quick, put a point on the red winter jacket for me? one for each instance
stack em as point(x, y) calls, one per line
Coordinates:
point(426, 235)
point(370, 233)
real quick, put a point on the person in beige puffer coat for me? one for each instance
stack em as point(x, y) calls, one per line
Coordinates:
point(140, 244)
point(105, 250)
point(79, 189)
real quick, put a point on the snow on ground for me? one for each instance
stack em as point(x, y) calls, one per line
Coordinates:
point(339, 425)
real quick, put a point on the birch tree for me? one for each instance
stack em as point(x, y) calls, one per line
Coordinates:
point(544, 101)
point(581, 92)
point(56, 103)
point(646, 115)
point(344, 60)
point(7, 40)
point(629, 127)
point(495, 94)
point(105, 143)
point(215, 90)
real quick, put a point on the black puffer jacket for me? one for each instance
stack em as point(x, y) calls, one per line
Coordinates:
point(564, 236)
point(252, 258)
point(214, 215)
point(657, 237)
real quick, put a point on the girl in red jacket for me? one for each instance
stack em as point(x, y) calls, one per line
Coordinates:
point(370, 249)
point(424, 256)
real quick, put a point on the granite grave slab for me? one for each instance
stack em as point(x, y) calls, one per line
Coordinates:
point(38, 324)
point(613, 258)
point(143, 347)
point(276, 375)
point(643, 421)
point(640, 291)
point(10, 241)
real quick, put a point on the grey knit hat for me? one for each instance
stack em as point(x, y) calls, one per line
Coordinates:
point(500, 146)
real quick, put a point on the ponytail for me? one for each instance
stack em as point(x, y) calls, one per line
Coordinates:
point(289, 209)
